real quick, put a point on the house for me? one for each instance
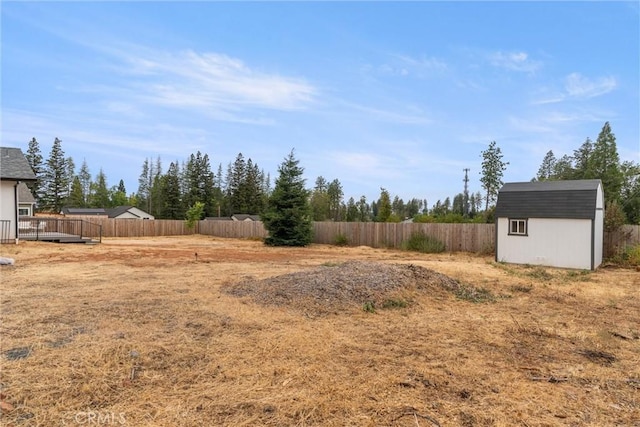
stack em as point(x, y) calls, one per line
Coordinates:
point(14, 169)
point(245, 217)
point(235, 217)
point(120, 212)
point(26, 201)
point(128, 212)
point(66, 211)
point(551, 223)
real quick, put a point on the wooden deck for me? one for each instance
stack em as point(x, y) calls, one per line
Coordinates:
point(56, 238)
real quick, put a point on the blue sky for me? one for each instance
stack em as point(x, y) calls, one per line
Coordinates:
point(376, 94)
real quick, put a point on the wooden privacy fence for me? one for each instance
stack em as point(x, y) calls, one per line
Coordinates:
point(456, 237)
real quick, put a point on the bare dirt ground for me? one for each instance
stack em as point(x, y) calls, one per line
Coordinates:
point(147, 333)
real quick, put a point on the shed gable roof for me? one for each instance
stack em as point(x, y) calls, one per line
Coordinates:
point(549, 199)
point(14, 165)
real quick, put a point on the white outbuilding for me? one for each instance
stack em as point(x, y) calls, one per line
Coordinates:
point(551, 223)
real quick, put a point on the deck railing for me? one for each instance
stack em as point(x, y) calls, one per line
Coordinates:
point(37, 228)
point(5, 231)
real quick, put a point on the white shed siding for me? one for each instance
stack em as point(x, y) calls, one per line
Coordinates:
point(551, 242)
point(8, 205)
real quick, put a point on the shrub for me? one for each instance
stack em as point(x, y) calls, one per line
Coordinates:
point(420, 242)
point(369, 307)
point(341, 240)
point(394, 303)
point(627, 257)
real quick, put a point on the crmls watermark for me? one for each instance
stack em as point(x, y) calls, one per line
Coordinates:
point(100, 418)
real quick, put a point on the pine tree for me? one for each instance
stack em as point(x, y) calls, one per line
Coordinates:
point(76, 198)
point(384, 206)
point(605, 163)
point(352, 210)
point(320, 200)
point(492, 171)
point(236, 178)
point(85, 182)
point(100, 197)
point(364, 210)
point(173, 207)
point(288, 214)
point(144, 186)
point(118, 195)
point(547, 168)
point(335, 196)
point(34, 157)
point(55, 179)
point(582, 167)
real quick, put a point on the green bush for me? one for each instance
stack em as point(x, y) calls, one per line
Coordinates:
point(420, 242)
point(627, 257)
point(341, 240)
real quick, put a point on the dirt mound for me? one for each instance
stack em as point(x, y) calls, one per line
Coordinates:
point(336, 287)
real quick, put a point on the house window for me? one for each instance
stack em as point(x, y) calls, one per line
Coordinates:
point(23, 212)
point(518, 227)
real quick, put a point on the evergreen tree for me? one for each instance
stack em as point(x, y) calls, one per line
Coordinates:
point(236, 177)
point(547, 168)
point(630, 191)
point(335, 195)
point(492, 171)
point(173, 207)
point(288, 215)
point(458, 204)
point(55, 179)
point(34, 157)
point(199, 183)
point(145, 181)
point(100, 196)
point(156, 194)
point(364, 210)
point(76, 198)
point(84, 177)
point(352, 210)
point(563, 169)
point(605, 163)
point(582, 167)
point(118, 195)
point(384, 206)
point(252, 189)
point(320, 200)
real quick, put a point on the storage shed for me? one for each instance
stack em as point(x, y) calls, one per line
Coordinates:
point(551, 223)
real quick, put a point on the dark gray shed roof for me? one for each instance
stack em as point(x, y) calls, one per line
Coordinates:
point(14, 166)
point(548, 199)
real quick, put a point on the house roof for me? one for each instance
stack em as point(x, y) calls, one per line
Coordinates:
point(549, 199)
point(244, 217)
point(117, 211)
point(83, 211)
point(14, 165)
point(24, 194)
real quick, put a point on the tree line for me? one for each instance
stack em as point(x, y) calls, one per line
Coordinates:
point(243, 187)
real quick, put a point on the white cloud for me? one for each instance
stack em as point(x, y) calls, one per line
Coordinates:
point(582, 87)
point(408, 66)
point(210, 80)
point(514, 61)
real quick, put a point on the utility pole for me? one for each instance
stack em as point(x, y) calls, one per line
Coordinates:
point(466, 191)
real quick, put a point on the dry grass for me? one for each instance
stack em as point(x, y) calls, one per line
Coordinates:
point(140, 333)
